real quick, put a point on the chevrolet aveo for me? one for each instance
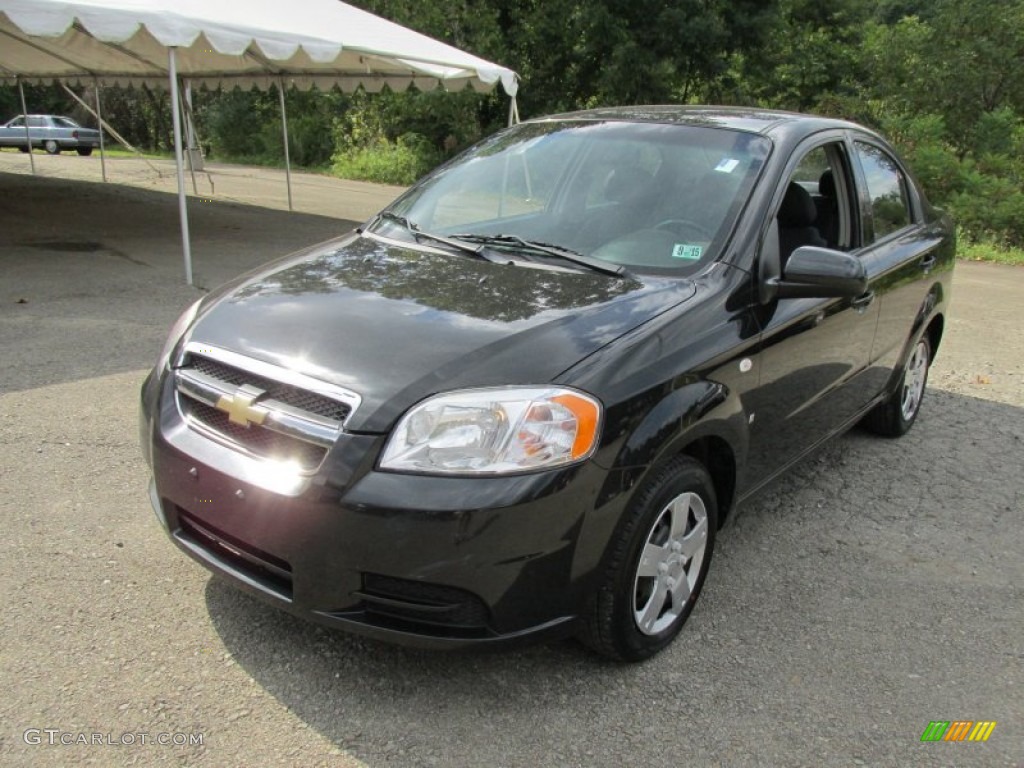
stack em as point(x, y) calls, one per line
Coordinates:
point(522, 400)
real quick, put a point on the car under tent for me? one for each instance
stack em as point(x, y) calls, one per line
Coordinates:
point(245, 43)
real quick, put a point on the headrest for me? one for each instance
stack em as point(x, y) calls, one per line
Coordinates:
point(827, 184)
point(797, 207)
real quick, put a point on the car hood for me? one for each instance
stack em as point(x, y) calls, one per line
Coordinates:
point(396, 323)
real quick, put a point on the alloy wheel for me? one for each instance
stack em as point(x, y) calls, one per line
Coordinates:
point(670, 563)
point(913, 381)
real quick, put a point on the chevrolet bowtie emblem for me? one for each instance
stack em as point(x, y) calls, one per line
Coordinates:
point(241, 407)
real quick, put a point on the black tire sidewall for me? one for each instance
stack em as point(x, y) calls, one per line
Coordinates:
point(681, 475)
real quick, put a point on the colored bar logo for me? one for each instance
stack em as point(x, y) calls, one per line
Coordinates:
point(958, 730)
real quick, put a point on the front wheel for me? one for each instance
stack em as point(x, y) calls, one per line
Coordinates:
point(897, 414)
point(657, 565)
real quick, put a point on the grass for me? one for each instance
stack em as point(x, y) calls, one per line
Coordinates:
point(115, 151)
point(988, 251)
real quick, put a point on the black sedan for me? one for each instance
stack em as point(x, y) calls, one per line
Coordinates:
point(523, 399)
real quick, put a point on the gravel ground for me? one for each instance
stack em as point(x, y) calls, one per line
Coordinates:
point(875, 588)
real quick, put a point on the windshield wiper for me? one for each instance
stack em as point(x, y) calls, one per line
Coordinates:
point(418, 235)
point(557, 251)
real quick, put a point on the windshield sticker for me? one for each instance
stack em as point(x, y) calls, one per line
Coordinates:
point(727, 165)
point(687, 251)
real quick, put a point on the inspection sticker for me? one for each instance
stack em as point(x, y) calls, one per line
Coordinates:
point(727, 165)
point(687, 251)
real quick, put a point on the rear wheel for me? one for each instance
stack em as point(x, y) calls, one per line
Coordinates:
point(23, 149)
point(657, 566)
point(51, 147)
point(897, 414)
point(84, 151)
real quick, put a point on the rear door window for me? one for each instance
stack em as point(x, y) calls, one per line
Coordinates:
point(887, 188)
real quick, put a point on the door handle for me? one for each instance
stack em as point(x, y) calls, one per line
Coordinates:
point(860, 304)
point(928, 261)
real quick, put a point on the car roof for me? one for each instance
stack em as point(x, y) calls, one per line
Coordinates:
point(749, 119)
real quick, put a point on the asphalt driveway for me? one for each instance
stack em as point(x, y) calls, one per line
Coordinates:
point(874, 589)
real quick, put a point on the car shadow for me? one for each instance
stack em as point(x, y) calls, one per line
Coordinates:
point(856, 537)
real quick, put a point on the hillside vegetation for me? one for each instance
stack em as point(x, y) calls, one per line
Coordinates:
point(943, 79)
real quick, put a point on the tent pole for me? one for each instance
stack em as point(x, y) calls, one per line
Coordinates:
point(172, 73)
point(28, 137)
point(99, 118)
point(284, 129)
point(190, 134)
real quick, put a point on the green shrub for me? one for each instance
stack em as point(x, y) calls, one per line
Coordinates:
point(990, 208)
point(387, 162)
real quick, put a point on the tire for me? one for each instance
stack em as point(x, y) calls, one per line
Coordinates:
point(657, 564)
point(23, 149)
point(897, 413)
point(51, 147)
point(84, 151)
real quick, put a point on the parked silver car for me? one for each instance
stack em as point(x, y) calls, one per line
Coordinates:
point(53, 133)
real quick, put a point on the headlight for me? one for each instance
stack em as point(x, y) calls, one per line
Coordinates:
point(495, 431)
point(177, 331)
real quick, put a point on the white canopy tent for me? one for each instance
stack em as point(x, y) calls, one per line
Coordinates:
point(299, 43)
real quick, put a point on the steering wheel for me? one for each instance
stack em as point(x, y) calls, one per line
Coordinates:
point(688, 226)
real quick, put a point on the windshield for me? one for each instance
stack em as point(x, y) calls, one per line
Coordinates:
point(650, 197)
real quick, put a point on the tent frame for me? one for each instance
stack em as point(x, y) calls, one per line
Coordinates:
point(206, 42)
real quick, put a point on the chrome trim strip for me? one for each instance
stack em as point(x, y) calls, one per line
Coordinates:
point(280, 417)
point(286, 420)
point(275, 372)
point(210, 433)
point(201, 387)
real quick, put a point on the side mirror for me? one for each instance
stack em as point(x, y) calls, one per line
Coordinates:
point(819, 273)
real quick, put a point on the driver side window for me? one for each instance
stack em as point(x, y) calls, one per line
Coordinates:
point(815, 205)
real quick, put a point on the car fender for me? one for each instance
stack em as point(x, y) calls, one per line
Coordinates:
point(699, 409)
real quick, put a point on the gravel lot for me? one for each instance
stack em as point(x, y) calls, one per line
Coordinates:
point(874, 589)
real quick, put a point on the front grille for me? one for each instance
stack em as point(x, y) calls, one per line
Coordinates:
point(257, 440)
point(262, 567)
point(279, 414)
point(276, 390)
point(439, 607)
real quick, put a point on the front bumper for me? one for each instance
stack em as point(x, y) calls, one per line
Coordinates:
point(437, 562)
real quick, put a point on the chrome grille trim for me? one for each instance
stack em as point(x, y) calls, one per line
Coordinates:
point(280, 417)
point(313, 429)
point(274, 372)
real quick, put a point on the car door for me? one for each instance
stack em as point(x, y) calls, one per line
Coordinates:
point(814, 353)
point(38, 129)
point(898, 249)
point(48, 130)
point(13, 134)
